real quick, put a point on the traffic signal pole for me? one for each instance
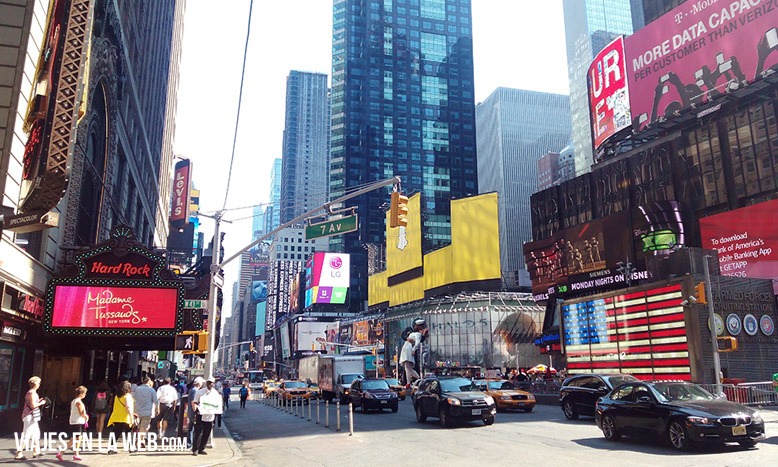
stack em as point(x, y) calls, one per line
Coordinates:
point(216, 266)
point(713, 334)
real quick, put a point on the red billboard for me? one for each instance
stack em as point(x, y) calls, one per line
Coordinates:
point(698, 52)
point(83, 306)
point(608, 92)
point(179, 211)
point(746, 239)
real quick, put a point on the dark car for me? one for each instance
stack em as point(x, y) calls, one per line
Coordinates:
point(373, 394)
point(681, 413)
point(452, 399)
point(579, 394)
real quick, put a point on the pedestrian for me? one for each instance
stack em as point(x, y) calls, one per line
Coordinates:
point(31, 415)
point(245, 392)
point(204, 415)
point(226, 393)
point(190, 407)
point(78, 421)
point(123, 413)
point(218, 387)
point(407, 361)
point(167, 396)
point(146, 405)
point(101, 405)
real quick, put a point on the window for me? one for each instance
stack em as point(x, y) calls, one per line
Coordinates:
point(623, 393)
point(93, 175)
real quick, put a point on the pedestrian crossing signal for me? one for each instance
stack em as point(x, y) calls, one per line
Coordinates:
point(727, 344)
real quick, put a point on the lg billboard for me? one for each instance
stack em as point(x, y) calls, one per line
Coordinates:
point(327, 278)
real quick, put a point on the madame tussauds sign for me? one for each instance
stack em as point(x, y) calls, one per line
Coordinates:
point(77, 306)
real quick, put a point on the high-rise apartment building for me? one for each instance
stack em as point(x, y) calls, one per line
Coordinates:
point(306, 149)
point(515, 129)
point(589, 26)
point(402, 104)
point(653, 9)
point(273, 211)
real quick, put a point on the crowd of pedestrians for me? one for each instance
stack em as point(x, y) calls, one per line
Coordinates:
point(129, 406)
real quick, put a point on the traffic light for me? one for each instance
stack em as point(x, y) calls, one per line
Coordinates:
point(202, 338)
point(375, 351)
point(187, 342)
point(727, 344)
point(398, 210)
point(251, 347)
point(699, 293)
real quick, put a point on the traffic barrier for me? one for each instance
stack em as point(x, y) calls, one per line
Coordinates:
point(327, 414)
point(350, 419)
point(309, 410)
point(337, 413)
point(317, 411)
point(760, 393)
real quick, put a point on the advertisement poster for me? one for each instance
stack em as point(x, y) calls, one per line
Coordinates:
point(259, 255)
point(78, 306)
point(306, 333)
point(608, 92)
point(259, 326)
point(258, 290)
point(696, 53)
point(285, 347)
point(747, 241)
point(327, 278)
point(179, 214)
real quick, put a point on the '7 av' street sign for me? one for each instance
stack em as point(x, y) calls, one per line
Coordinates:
point(329, 228)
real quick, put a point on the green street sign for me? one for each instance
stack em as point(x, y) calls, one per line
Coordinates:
point(330, 228)
point(195, 304)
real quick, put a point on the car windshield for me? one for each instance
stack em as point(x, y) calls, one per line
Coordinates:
point(497, 385)
point(392, 381)
point(673, 392)
point(313, 385)
point(347, 379)
point(295, 384)
point(379, 384)
point(457, 385)
point(616, 381)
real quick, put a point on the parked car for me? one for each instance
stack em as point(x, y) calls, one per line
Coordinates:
point(315, 390)
point(294, 389)
point(415, 388)
point(397, 387)
point(506, 395)
point(372, 394)
point(681, 413)
point(452, 399)
point(579, 393)
point(271, 387)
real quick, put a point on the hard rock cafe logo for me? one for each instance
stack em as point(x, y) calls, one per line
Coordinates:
point(115, 310)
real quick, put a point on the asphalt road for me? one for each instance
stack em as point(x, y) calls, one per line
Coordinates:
point(267, 436)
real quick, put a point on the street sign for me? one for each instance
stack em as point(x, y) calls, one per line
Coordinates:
point(329, 228)
point(195, 304)
point(218, 281)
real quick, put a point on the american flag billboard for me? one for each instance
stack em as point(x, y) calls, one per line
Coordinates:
point(640, 333)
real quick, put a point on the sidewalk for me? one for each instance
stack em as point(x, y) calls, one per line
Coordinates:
point(224, 451)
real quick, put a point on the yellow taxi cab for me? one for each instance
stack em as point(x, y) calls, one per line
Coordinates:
point(271, 387)
point(396, 387)
point(506, 395)
point(294, 389)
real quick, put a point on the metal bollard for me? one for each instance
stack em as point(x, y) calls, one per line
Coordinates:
point(337, 413)
point(317, 411)
point(350, 419)
point(327, 414)
point(309, 409)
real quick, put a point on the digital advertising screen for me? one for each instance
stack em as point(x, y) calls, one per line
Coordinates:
point(327, 277)
point(746, 240)
point(259, 324)
point(99, 307)
point(258, 290)
point(641, 333)
point(306, 333)
point(698, 52)
point(285, 344)
point(608, 92)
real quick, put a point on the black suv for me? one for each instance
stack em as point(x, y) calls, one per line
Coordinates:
point(452, 399)
point(372, 394)
point(579, 393)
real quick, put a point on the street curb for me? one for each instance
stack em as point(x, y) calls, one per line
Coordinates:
point(236, 453)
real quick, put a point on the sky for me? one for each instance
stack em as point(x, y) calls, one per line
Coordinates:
point(516, 44)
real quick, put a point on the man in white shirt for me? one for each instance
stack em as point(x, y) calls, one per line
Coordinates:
point(167, 396)
point(204, 421)
point(407, 360)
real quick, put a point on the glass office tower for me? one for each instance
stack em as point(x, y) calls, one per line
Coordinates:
point(402, 104)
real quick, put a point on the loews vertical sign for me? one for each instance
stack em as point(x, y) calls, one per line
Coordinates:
point(179, 212)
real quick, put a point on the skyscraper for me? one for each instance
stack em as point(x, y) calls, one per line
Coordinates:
point(273, 211)
point(515, 129)
point(306, 147)
point(589, 26)
point(402, 104)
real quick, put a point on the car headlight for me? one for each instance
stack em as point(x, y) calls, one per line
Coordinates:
point(757, 418)
point(489, 400)
point(367, 395)
point(700, 420)
point(505, 398)
point(531, 397)
point(454, 401)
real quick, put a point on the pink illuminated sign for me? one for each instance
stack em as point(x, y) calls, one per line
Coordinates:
point(78, 306)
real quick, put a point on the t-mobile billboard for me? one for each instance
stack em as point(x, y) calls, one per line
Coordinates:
point(697, 52)
point(608, 92)
point(747, 241)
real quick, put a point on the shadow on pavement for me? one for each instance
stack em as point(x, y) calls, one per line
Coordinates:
point(654, 446)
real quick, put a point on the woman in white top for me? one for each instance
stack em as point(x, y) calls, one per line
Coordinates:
point(31, 415)
point(78, 421)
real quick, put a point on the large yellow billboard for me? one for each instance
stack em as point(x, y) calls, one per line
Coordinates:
point(472, 259)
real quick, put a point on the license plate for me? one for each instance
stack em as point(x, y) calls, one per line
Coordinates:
point(738, 430)
point(384, 402)
point(521, 404)
point(476, 411)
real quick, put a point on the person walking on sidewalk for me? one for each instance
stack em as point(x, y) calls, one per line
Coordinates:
point(122, 416)
point(190, 408)
point(146, 405)
point(31, 415)
point(207, 402)
point(245, 392)
point(167, 396)
point(226, 393)
point(78, 421)
point(101, 405)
